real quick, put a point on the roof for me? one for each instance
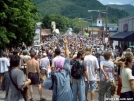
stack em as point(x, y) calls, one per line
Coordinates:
point(123, 36)
point(45, 31)
point(109, 24)
point(128, 17)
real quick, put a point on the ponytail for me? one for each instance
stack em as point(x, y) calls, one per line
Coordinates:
point(128, 59)
point(126, 63)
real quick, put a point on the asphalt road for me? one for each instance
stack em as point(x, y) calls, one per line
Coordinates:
point(47, 94)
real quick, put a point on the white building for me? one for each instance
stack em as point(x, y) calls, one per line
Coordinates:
point(37, 36)
point(126, 24)
point(99, 20)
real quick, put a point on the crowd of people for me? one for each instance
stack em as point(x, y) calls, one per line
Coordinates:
point(70, 67)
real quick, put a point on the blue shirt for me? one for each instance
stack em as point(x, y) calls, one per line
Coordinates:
point(62, 90)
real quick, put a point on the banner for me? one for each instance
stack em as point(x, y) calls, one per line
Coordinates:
point(96, 28)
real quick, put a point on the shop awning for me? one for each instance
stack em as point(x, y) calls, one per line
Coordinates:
point(123, 36)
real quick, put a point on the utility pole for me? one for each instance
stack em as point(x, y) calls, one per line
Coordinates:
point(92, 29)
point(106, 23)
point(106, 20)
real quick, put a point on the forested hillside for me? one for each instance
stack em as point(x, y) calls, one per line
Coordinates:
point(128, 8)
point(77, 8)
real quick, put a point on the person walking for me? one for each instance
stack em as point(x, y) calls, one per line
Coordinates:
point(33, 73)
point(107, 77)
point(4, 64)
point(127, 80)
point(61, 82)
point(78, 84)
point(44, 65)
point(121, 64)
point(57, 57)
point(91, 63)
point(18, 77)
point(24, 58)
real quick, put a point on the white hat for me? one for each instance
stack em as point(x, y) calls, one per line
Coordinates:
point(44, 54)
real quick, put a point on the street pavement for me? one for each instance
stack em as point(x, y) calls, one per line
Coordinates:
point(47, 94)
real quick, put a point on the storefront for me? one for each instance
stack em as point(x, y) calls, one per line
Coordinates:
point(125, 35)
point(46, 35)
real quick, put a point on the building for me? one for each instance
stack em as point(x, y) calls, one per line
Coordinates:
point(125, 34)
point(45, 34)
point(96, 29)
point(42, 35)
point(99, 20)
point(37, 38)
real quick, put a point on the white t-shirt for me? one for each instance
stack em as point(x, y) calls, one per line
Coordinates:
point(91, 64)
point(24, 59)
point(55, 59)
point(102, 58)
point(44, 63)
point(4, 64)
point(108, 70)
point(126, 75)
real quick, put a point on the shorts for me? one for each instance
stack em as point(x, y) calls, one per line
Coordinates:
point(127, 95)
point(2, 74)
point(44, 72)
point(92, 86)
point(34, 77)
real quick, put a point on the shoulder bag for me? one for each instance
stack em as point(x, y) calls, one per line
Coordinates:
point(23, 92)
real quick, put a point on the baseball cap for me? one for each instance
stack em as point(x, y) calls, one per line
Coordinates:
point(25, 51)
point(98, 53)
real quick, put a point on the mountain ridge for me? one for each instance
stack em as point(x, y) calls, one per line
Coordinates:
point(126, 7)
point(77, 9)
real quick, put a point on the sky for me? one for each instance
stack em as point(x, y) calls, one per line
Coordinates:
point(119, 2)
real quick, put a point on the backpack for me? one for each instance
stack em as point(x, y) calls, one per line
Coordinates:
point(77, 70)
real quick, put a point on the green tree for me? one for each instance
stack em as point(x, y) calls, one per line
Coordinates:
point(114, 20)
point(77, 24)
point(17, 22)
point(62, 23)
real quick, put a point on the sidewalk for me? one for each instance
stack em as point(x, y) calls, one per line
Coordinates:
point(47, 94)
